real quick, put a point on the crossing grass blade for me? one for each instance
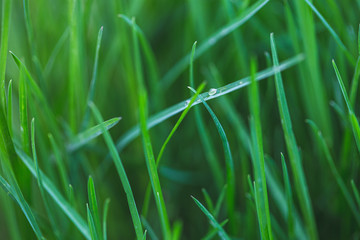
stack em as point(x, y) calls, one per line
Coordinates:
point(353, 120)
point(335, 172)
point(294, 155)
point(179, 67)
point(230, 172)
point(154, 120)
point(262, 201)
point(121, 171)
point(221, 232)
point(5, 22)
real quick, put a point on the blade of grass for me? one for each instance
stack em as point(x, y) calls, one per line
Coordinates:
point(9, 114)
point(68, 210)
point(258, 156)
point(94, 211)
point(349, 56)
point(147, 145)
point(221, 232)
point(289, 200)
point(179, 67)
point(230, 172)
point(220, 201)
point(91, 93)
point(177, 230)
point(86, 136)
point(5, 23)
point(208, 200)
point(149, 229)
point(213, 232)
point(335, 172)
point(40, 183)
point(92, 227)
point(121, 171)
point(23, 108)
point(356, 193)
point(106, 210)
point(353, 120)
point(295, 159)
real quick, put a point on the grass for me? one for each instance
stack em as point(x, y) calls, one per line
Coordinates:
point(102, 139)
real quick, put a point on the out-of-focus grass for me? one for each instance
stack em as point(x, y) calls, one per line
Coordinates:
point(61, 61)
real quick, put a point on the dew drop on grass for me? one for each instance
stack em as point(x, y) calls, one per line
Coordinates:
point(212, 91)
point(187, 103)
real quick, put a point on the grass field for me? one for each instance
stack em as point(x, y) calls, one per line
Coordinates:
point(196, 119)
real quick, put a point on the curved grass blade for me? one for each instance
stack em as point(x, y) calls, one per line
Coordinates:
point(335, 172)
point(40, 183)
point(221, 232)
point(262, 200)
point(55, 195)
point(230, 172)
point(91, 93)
point(5, 22)
point(294, 155)
point(332, 32)
point(179, 67)
point(86, 136)
point(94, 210)
point(182, 116)
point(353, 120)
point(121, 171)
point(106, 210)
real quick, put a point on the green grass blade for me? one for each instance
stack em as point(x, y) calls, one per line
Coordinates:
point(332, 32)
point(23, 108)
point(260, 214)
point(258, 155)
point(9, 114)
point(86, 136)
point(94, 210)
point(208, 200)
point(289, 200)
point(91, 223)
point(177, 230)
point(294, 155)
point(149, 229)
point(179, 67)
point(221, 232)
point(220, 201)
point(171, 111)
point(40, 183)
point(353, 120)
point(104, 225)
point(335, 172)
point(91, 93)
point(121, 171)
point(5, 22)
point(230, 172)
point(55, 195)
point(213, 232)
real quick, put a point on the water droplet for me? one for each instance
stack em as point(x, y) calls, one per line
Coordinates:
point(212, 91)
point(187, 103)
point(241, 82)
